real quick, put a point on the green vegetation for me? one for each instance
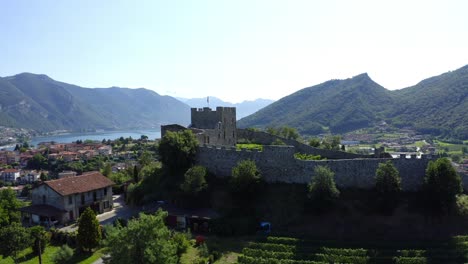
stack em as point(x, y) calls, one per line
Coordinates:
point(322, 190)
point(304, 156)
point(245, 179)
point(63, 255)
point(249, 146)
point(144, 240)
point(288, 250)
point(284, 132)
point(48, 256)
point(9, 206)
point(441, 186)
point(177, 151)
point(14, 238)
point(387, 186)
point(83, 109)
point(89, 231)
point(434, 106)
point(194, 181)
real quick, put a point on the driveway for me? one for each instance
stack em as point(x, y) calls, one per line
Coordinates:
point(120, 210)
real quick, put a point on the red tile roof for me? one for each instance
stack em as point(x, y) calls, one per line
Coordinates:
point(11, 170)
point(80, 184)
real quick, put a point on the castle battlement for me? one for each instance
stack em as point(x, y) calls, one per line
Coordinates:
point(277, 164)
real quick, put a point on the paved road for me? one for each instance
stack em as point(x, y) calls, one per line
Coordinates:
point(120, 210)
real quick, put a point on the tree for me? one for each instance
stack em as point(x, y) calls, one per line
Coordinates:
point(14, 238)
point(314, 142)
point(43, 176)
point(245, 179)
point(145, 158)
point(144, 240)
point(322, 189)
point(284, 131)
point(194, 181)
point(37, 162)
point(107, 169)
point(89, 231)
point(331, 142)
point(135, 174)
point(40, 238)
point(441, 185)
point(387, 186)
point(9, 207)
point(177, 150)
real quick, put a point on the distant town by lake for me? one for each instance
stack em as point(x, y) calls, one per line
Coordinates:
point(95, 136)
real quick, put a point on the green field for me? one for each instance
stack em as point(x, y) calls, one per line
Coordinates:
point(289, 250)
point(27, 257)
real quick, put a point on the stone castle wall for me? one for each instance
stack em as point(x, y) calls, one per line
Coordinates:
point(264, 138)
point(217, 127)
point(277, 164)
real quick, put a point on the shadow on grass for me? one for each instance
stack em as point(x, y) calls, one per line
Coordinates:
point(79, 257)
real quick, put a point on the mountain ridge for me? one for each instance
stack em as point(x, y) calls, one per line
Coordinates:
point(434, 105)
point(244, 108)
point(39, 102)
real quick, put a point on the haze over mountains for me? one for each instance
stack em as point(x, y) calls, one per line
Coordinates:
point(437, 105)
point(243, 109)
point(38, 102)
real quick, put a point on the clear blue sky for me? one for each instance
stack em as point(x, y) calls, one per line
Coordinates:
point(234, 50)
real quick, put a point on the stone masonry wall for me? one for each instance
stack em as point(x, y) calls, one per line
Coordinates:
point(264, 138)
point(277, 164)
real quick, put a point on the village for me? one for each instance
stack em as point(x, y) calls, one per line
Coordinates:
point(118, 179)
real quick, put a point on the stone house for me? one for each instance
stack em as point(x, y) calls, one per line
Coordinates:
point(63, 200)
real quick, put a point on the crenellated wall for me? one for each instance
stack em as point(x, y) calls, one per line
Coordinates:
point(264, 138)
point(277, 164)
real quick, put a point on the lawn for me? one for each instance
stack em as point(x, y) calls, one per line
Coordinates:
point(249, 146)
point(227, 249)
point(27, 257)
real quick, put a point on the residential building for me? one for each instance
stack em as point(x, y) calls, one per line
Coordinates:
point(63, 200)
point(10, 175)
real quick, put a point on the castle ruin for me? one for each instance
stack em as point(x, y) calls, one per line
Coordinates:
point(217, 134)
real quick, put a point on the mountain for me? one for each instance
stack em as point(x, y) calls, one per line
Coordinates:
point(436, 105)
point(244, 108)
point(43, 104)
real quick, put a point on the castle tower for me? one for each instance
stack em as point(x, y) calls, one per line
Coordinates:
point(219, 127)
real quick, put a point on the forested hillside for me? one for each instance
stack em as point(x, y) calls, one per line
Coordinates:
point(436, 105)
point(43, 104)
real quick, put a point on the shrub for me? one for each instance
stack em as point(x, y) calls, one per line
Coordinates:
point(182, 241)
point(387, 186)
point(441, 185)
point(322, 189)
point(63, 255)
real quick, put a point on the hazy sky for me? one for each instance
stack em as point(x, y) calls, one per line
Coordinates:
point(234, 50)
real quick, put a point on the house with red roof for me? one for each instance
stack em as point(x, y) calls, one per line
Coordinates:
point(63, 200)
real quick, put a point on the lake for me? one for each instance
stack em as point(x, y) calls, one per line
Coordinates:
point(99, 136)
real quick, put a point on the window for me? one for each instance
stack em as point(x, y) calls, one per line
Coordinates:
point(106, 204)
point(70, 199)
point(105, 191)
point(44, 199)
point(94, 196)
point(82, 198)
